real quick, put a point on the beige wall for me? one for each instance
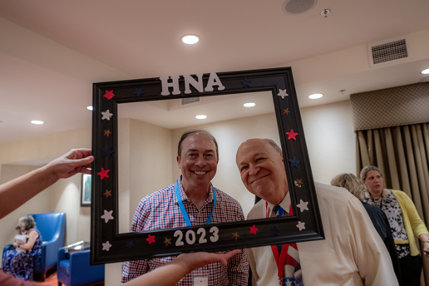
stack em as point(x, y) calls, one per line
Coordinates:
point(328, 130)
point(17, 158)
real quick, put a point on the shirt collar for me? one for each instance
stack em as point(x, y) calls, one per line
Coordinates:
point(184, 196)
point(285, 204)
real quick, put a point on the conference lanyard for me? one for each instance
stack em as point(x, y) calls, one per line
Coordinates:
point(184, 211)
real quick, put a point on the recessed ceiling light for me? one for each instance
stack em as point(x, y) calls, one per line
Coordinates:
point(315, 95)
point(426, 71)
point(190, 39)
point(37, 122)
point(249, 104)
point(90, 107)
point(201, 116)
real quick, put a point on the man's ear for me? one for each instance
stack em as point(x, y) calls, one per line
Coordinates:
point(178, 159)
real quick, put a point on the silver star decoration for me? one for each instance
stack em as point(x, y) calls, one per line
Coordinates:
point(303, 206)
point(107, 215)
point(301, 225)
point(106, 115)
point(282, 93)
point(106, 246)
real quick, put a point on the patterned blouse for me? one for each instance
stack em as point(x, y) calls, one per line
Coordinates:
point(389, 204)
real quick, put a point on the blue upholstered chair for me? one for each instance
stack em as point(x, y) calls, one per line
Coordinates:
point(74, 268)
point(52, 227)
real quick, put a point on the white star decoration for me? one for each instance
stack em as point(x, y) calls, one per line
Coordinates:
point(282, 93)
point(303, 206)
point(106, 115)
point(107, 215)
point(106, 246)
point(288, 283)
point(301, 225)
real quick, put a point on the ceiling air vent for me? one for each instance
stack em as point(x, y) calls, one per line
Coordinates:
point(188, 100)
point(389, 51)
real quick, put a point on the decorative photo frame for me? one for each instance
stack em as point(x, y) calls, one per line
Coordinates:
point(109, 245)
point(86, 190)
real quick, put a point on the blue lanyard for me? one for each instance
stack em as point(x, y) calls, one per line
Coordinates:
point(184, 212)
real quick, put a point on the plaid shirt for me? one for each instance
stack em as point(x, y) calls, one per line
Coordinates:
point(160, 210)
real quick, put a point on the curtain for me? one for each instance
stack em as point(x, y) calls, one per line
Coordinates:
point(402, 154)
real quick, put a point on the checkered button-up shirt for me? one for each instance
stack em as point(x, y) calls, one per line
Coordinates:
point(160, 210)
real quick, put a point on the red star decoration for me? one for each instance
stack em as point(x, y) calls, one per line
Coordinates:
point(103, 173)
point(109, 94)
point(292, 134)
point(150, 239)
point(253, 229)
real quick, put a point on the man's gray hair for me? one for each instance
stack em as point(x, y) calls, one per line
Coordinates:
point(274, 145)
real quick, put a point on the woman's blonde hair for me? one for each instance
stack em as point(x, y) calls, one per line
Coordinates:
point(351, 183)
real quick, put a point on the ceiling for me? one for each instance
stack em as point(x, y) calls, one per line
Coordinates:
point(52, 51)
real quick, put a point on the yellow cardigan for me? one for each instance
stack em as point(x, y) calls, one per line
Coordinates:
point(411, 219)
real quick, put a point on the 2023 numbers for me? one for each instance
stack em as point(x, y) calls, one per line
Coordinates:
point(191, 236)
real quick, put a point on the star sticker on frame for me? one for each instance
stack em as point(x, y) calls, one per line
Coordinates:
point(138, 91)
point(298, 183)
point(286, 111)
point(275, 231)
point(292, 135)
point(107, 132)
point(107, 152)
point(246, 83)
point(103, 173)
point(109, 94)
point(303, 206)
point(282, 93)
point(106, 246)
point(167, 241)
point(107, 216)
point(106, 115)
point(253, 229)
point(294, 162)
point(150, 239)
point(235, 235)
point(301, 225)
point(129, 244)
point(107, 193)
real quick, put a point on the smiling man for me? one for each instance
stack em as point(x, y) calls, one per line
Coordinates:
point(191, 200)
point(352, 253)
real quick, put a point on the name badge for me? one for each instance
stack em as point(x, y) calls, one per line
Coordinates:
point(201, 281)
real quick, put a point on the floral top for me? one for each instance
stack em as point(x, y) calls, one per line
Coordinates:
point(389, 204)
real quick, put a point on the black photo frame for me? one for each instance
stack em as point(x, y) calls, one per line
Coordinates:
point(108, 245)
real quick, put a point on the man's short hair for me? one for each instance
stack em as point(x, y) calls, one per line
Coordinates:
point(192, 132)
point(274, 145)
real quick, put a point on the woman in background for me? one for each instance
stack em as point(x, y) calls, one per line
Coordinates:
point(377, 216)
point(404, 221)
point(19, 260)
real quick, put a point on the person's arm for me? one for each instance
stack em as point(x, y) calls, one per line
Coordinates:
point(171, 273)
point(418, 226)
point(17, 191)
point(30, 242)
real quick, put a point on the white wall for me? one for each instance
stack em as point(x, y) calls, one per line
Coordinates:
point(63, 196)
point(330, 140)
